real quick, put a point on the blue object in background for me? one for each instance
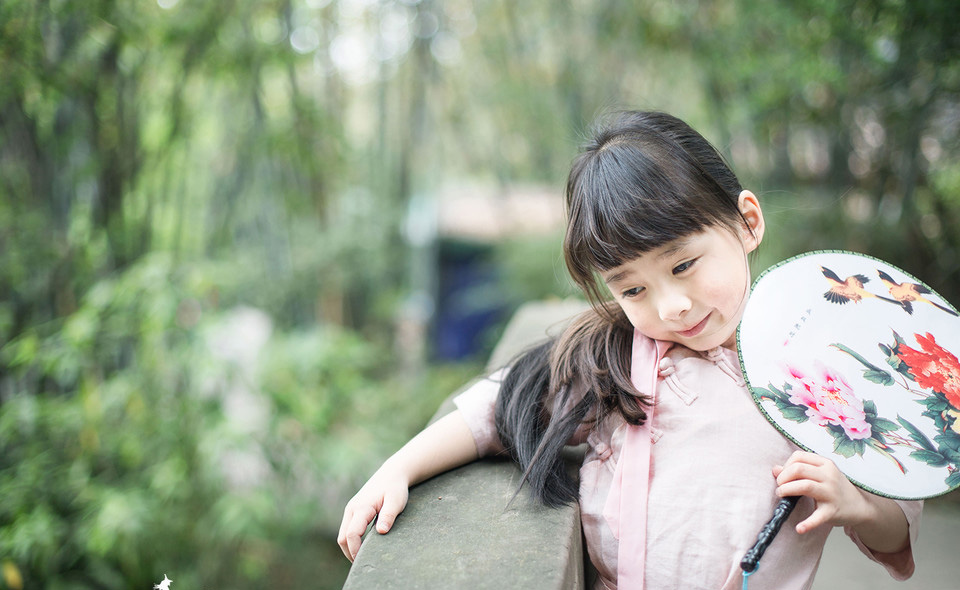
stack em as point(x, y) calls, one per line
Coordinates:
point(467, 300)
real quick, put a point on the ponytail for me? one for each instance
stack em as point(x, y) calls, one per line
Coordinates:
point(562, 387)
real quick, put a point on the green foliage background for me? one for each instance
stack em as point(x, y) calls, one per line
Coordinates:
point(166, 165)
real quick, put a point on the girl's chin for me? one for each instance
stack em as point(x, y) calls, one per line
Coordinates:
point(706, 342)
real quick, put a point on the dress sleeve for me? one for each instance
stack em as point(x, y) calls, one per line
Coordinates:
point(477, 405)
point(899, 565)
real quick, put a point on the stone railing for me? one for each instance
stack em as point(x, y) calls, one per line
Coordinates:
point(465, 528)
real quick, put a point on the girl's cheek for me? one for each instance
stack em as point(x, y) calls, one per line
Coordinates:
point(638, 319)
point(629, 311)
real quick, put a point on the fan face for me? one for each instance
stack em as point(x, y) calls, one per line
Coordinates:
point(856, 360)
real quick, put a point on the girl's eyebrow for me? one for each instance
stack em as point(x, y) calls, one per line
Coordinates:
point(615, 277)
point(675, 246)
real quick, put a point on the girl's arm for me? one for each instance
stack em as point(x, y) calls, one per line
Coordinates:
point(445, 444)
point(879, 522)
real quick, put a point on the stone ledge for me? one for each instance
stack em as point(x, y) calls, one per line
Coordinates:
point(465, 528)
point(460, 530)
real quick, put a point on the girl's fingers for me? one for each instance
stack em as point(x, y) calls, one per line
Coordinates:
point(393, 505)
point(826, 513)
point(342, 533)
point(344, 538)
point(802, 487)
point(355, 521)
point(813, 521)
point(798, 472)
point(355, 535)
point(805, 458)
point(806, 466)
point(351, 532)
point(813, 476)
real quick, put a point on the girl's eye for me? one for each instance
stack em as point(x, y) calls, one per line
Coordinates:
point(683, 266)
point(632, 292)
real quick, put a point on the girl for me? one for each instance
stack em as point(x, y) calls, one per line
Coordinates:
point(681, 469)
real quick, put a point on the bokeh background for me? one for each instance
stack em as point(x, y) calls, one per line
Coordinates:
point(247, 247)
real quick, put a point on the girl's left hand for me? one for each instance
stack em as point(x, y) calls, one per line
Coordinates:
point(838, 502)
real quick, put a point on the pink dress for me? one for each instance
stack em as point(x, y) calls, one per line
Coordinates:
point(710, 489)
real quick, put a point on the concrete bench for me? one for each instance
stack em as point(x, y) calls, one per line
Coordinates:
point(461, 530)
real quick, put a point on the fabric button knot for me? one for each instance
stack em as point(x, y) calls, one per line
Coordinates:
point(601, 448)
point(603, 451)
point(666, 367)
point(715, 354)
point(655, 434)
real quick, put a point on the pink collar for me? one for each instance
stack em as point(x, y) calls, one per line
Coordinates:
point(627, 501)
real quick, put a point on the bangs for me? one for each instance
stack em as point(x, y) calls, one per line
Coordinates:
point(624, 205)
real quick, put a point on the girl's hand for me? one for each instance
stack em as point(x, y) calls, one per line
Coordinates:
point(879, 522)
point(385, 494)
point(441, 446)
point(838, 502)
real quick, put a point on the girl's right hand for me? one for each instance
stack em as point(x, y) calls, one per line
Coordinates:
point(441, 446)
point(385, 494)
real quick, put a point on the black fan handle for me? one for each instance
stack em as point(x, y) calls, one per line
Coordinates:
point(780, 514)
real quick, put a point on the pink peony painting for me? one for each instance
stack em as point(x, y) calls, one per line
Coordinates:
point(829, 399)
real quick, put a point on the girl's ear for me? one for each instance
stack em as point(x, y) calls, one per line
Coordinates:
point(753, 231)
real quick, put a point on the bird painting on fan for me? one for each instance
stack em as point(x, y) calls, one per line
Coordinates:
point(906, 294)
point(849, 289)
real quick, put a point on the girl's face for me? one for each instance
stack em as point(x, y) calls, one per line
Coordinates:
point(692, 290)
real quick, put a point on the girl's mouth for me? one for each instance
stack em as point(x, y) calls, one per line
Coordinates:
point(696, 329)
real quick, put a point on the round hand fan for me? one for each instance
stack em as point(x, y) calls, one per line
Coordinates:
point(855, 360)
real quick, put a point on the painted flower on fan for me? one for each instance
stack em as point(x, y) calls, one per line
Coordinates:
point(933, 367)
point(829, 400)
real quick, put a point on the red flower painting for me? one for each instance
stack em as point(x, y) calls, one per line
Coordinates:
point(933, 367)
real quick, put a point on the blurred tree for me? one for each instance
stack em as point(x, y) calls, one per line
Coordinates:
point(129, 128)
point(856, 102)
point(847, 109)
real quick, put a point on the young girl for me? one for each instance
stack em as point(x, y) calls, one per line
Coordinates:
point(681, 469)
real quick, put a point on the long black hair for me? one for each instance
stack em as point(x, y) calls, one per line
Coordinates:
point(567, 384)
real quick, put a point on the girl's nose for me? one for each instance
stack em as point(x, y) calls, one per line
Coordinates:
point(673, 306)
